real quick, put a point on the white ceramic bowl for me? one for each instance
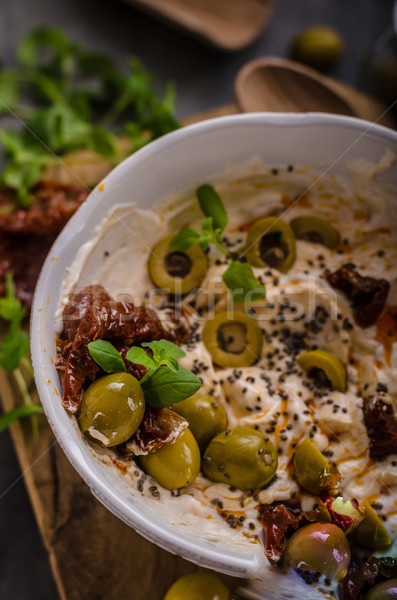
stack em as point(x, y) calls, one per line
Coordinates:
point(177, 161)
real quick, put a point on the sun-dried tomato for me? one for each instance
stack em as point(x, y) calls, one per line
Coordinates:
point(52, 206)
point(367, 294)
point(381, 424)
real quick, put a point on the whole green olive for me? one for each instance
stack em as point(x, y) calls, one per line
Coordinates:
point(321, 547)
point(316, 230)
point(176, 271)
point(176, 464)
point(205, 415)
point(371, 533)
point(386, 590)
point(317, 46)
point(112, 409)
point(233, 340)
point(241, 457)
point(312, 469)
point(271, 242)
point(198, 586)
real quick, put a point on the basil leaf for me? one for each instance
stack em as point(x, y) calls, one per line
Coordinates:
point(207, 225)
point(138, 356)
point(203, 243)
point(165, 387)
point(162, 348)
point(212, 206)
point(9, 92)
point(102, 142)
point(33, 46)
point(10, 309)
point(27, 410)
point(106, 356)
point(184, 239)
point(13, 348)
point(241, 281)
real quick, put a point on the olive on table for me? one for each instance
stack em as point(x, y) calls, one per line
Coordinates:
point(271, 242)
point(319, 547)
point(112, 409)
point(176, 271)
point(205, 415)
point(312, 469)
point(371, 533)
point(386, 590)
point(318, 46)
point(233, 340)
point(316, 230)
point(241, 457)
point(198, 586)
point(176, 464)
point(326, 368)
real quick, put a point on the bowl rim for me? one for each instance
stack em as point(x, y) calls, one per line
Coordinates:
point(235, 563)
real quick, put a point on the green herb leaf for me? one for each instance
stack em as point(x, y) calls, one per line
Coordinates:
point(102, 142)
point(163, 348)
point(9, 91)
point(138, 356)
point(184, 239)
point(106, 356)
point(212, 206)
point(20, 412)
point(164, 387)
point(206, 226)
point(241, 281)
point(34, 48)
point(13, 347)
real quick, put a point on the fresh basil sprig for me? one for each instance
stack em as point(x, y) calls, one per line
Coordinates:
point(212, 227)
point(14, 351)
point(239, 277)
point(165, 382)
point(241, 281)
point(78, 99)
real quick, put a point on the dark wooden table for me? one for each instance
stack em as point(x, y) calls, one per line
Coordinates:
point(204, 78)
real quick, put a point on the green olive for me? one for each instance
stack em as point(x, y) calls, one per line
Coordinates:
point(271, 242)
point(316, 230)
point(370, 533)
point(205, 415)
point(112, 409)
point(176, 271)
point(241, 457)
point(233, 340)
point(176, 464)
point(325, 367)
point(318, 46)
point(312, 469)
point(386, 590)
point(198, 586)
point(321, 547)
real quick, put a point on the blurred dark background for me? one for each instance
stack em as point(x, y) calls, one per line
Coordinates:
point(204, 79)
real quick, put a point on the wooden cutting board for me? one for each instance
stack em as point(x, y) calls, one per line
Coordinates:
point(93, 555)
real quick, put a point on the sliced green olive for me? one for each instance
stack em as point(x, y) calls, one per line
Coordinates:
point(321, 547)
point(112, 409)
point(271, 242)
point(326, 368)
point(198, 586)
point(371, 533)
point(176, 464)
point(316, 230)
point(205, 415)
point(241, 457)
point(175, 271)
point(386, 590)
point(313, 471)
point(233, 340)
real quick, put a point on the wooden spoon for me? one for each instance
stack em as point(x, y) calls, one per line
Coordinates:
point(279, 85)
